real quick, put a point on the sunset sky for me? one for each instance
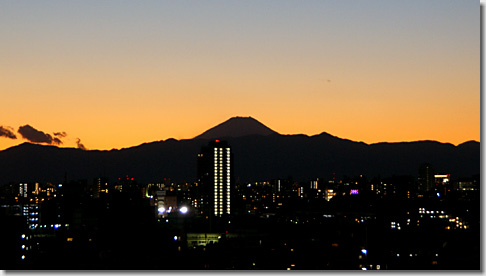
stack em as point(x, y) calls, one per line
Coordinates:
point(116, 74)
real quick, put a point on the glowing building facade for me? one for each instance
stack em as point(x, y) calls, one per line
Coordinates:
point(215, 178)
point(442, 184)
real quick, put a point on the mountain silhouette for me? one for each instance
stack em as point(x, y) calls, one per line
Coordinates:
point(260, 154)
point(237, 127)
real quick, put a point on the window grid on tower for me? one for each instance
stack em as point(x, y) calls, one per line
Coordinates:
point(221, 166)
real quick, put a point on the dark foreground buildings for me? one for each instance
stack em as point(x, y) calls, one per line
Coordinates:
point(429, 222)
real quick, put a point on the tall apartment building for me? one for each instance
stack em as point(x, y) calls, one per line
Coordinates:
point(215, 174)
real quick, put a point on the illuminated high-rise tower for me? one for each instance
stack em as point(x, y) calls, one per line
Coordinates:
point(214, 169)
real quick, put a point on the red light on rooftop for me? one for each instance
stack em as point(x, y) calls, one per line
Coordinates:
point(217, 141)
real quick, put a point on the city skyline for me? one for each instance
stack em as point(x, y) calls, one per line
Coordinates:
point(119, 75)
point(400, 222)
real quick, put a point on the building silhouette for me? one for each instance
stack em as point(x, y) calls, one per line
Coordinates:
point(426, 178)
point(214, 172)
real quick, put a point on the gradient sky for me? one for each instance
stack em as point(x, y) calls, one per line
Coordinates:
point(120, 73)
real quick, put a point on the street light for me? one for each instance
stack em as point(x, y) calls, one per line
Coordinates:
point(183, 210)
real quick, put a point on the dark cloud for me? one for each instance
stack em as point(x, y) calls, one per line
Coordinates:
point(36, 136)
point(7, 132)
point(60, 134)
point(80, 146)
point(56, 141)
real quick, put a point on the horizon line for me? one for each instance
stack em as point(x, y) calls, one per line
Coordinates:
point(194, 138)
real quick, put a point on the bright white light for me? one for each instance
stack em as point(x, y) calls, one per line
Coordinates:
point(23, 236)
point(23, 257)
point(364, 251)
point(184, 210)
point(175, 238)
point(161, 210)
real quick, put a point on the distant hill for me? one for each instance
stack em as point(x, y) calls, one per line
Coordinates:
point(237, 127)
point(260, 154)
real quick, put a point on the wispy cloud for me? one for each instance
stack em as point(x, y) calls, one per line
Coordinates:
point(7, 132)
point(80, 146)
point(60, 134)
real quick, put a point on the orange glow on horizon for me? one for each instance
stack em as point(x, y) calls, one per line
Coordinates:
point(134, 74)
point(360, 132)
